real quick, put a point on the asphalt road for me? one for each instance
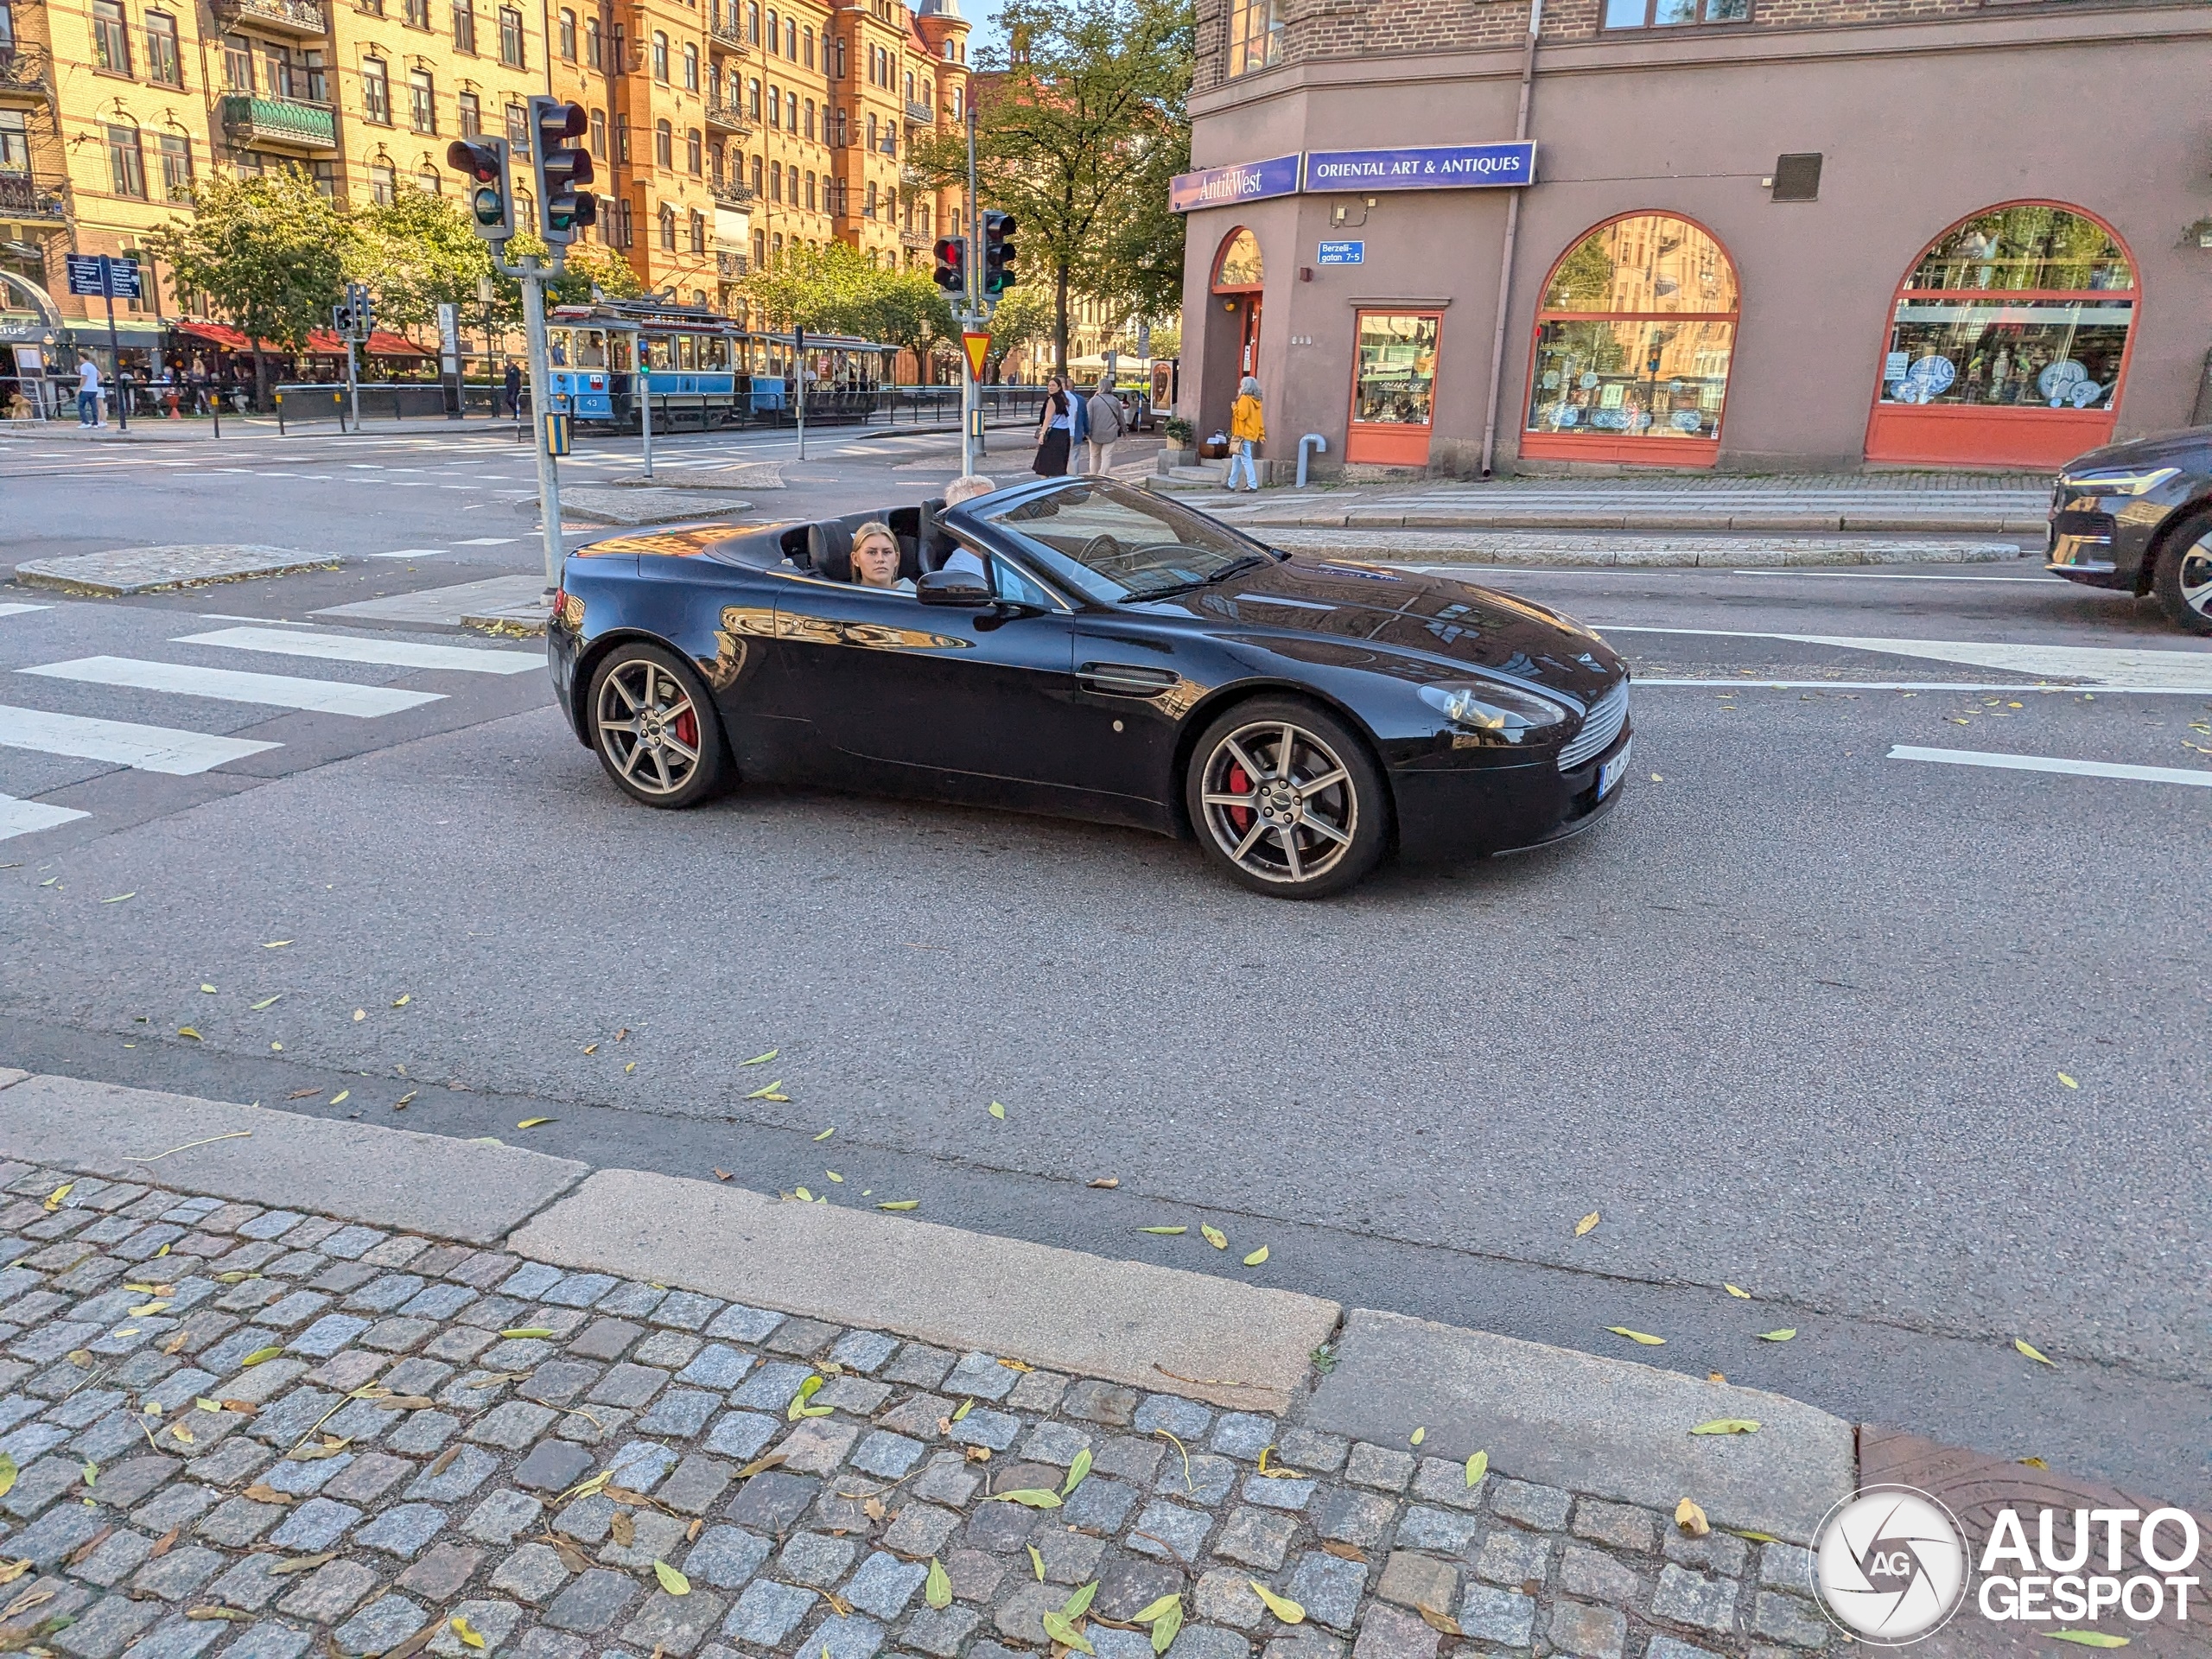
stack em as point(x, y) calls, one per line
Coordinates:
point(1801, 1017)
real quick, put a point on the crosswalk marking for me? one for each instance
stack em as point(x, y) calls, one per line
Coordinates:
point(146, 748)
point(347, 648)
point(409, 553)
point(2201, 778)
point(12, 609)
point(21, 817)
point(232, 686)
point(487, 541)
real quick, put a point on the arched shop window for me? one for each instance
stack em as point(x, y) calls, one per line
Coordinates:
point(2008, 341)
point(1634, 337)
point(1237, 267)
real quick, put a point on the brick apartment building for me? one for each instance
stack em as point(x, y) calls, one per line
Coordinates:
point(724, 130)
point(1750, 235)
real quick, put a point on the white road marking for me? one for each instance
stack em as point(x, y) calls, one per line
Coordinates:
point(271, 621)
point(146, 748)
point(233, 685)
point(1899, 576)
point(409, 553)
point(348, 648)
point(21, 817)
point(2201, 778)
point(487, 541)
point(2108, 665)
point(17, 610)
point(2018, 689)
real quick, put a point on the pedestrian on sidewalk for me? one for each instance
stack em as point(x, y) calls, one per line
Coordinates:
point(1247, 432)
point(1055, 430)
point(514, 389)
point(88, 393)
point(1107, 427)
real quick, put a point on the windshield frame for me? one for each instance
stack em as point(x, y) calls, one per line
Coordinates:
point(1003, 521)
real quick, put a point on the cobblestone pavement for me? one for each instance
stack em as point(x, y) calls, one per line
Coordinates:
point(253, 1434)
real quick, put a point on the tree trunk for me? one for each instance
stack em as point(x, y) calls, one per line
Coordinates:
point(261, 403)
point(1060, 319)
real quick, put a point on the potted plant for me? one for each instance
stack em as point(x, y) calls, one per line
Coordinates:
point(1181, 442)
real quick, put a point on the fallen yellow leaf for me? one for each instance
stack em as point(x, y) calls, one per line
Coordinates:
point(1741, 1295)
point(461, 1628)
point(360, 1014)
point(53, 1198)
point(672, 1580)
point(1783, 1335)
point(1637, 1336)
point(2034, 1353)
point(762, 1060)
point(900, 1203)
point(1586, 1223)
point(1728, 1426)
point(1281, 1606)
point(1213, 1235)
point(532, 1122)
point(2068, 1081)
point(1477, 1466)
point(997, 1110)
point(1691, 1519)
point(1418, 1435)
point(1256, 1257)
point(341, 1097)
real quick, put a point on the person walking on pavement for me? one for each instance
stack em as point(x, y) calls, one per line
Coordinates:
point(1107, 427)
point(514, 389)
point(1055, 431)
point(1247, 431)
point(88, 393)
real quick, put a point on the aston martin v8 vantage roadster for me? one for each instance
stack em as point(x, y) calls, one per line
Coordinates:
point(1074, 646)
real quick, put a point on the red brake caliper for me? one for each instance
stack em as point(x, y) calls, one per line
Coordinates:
point(1239, 784)
point(687, 729)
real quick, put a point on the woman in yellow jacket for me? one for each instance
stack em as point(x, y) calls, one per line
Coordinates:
point(1246, 432)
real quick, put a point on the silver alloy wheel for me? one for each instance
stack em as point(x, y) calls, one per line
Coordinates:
point(648, 727)
point(2195, 576)
point(1279, 801)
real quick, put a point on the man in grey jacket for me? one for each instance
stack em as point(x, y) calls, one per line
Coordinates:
point(1107, 426)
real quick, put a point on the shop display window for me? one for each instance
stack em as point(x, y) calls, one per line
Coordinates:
point(2024, 307)
point(1396, 375)
point(1634, 340)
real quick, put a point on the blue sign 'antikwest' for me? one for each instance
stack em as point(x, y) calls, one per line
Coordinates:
point(1436, 166)
point(1219, 187)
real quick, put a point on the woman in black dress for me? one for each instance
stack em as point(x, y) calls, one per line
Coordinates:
point(1053, 432)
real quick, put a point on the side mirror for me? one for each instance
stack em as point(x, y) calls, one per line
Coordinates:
point(961, 587)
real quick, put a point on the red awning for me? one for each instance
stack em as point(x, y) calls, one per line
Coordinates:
point(320, 341)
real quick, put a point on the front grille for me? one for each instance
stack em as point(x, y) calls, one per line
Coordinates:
point(1607, 716)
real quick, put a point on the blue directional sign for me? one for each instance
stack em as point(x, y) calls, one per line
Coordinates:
point(1343, 253)
point(94, 273)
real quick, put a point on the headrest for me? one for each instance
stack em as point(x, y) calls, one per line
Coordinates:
point(830, 552)
point(930, 539)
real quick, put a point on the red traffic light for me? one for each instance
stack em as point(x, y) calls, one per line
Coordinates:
point(480, 160)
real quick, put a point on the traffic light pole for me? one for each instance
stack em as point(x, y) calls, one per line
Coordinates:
point(971, 392)
point(540, 379)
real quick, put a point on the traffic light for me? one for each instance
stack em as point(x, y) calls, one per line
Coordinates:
point(952, 264)
point(491, 199)
point(999, 274)
point(564, 208)
point(363, 307)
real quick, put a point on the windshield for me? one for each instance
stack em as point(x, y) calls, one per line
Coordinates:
point(1111, 543)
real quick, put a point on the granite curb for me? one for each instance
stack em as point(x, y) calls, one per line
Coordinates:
point(1572, 1421)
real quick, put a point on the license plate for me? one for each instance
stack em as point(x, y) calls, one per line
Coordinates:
point(1610, 773)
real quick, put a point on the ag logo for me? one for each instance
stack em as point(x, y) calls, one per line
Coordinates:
point(1891, 1565)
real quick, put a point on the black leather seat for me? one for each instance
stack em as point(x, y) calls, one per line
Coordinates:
point(830, 548)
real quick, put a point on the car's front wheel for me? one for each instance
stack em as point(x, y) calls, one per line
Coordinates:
point(655, 728)
point(1286, 799)
point(2182, 581)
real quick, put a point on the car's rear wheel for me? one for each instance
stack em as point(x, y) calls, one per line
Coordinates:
point(1286, 799)
point(2182, 581)
point(655, 727)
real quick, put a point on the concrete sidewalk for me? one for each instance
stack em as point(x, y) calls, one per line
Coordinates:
point(273, 1381)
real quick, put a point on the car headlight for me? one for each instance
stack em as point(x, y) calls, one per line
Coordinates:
point(2118, 480)
point(1494, 714)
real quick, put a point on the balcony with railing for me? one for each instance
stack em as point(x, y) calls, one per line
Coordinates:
point(730, 193)
point(26, 76)
point(732, 265)
point(916, 239)
point(726, 37)
point(728, 118)
point(920, 114)
point(305, 18)
point(278, 123)
point(24, 196)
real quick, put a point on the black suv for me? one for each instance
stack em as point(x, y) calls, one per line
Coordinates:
point(2138, 516)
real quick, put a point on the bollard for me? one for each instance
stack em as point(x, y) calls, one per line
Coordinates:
point(1320, 446)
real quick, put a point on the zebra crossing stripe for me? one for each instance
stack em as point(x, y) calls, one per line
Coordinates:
point(392, 653)
point(12, 609)
point(21, 817)
point(144, 748)
point(231, 685)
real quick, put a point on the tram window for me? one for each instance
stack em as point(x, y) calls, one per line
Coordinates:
point(687, 351)
point(618, 354)
point(556, 346)
point(591, 349)
point(656, 353)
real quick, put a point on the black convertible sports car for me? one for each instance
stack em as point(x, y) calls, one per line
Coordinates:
point(1099, 652)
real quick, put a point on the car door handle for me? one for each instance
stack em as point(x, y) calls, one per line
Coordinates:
point(1125, 679)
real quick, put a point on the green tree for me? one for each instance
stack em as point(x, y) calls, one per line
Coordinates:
point(1079, 123)
point(1024, 318)
point(417, 253)
point(270, 253)
point(907, 308)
